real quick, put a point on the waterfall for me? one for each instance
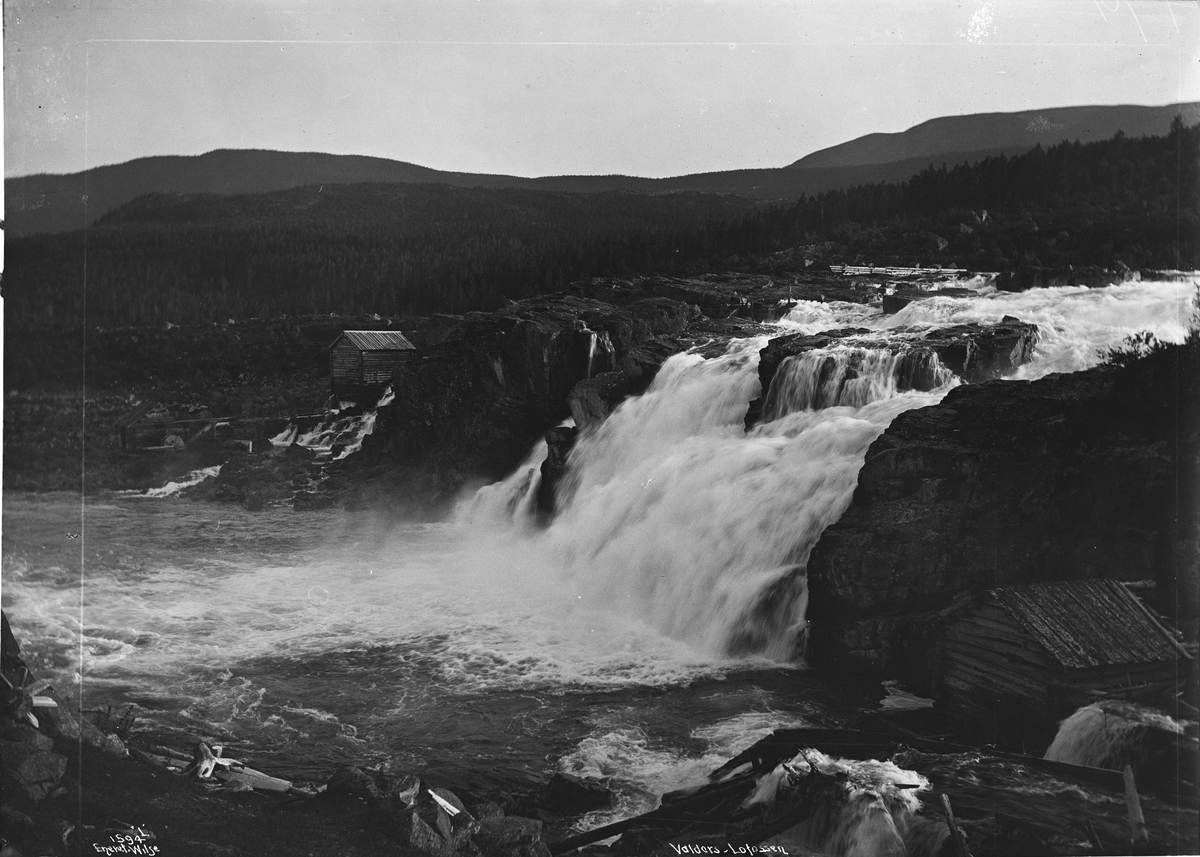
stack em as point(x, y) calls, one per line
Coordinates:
point(663, 513)
point(598, 342)
point(673, 516)
point(511, 500)
point(830, 377)
point(338, 435)
point(286, 437)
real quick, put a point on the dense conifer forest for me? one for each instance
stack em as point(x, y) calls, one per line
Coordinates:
point(399, 249)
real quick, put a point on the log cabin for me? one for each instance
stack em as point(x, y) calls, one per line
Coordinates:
point(1035, 653)
point(361, 362)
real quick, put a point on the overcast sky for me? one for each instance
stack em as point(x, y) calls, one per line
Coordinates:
point(535, 88)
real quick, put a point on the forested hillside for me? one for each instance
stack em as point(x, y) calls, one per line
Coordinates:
point(1131, 200)
point(418, 249)
point(384, 248)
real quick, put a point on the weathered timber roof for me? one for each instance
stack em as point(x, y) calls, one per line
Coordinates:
point(376, 340)
point(1089, 623)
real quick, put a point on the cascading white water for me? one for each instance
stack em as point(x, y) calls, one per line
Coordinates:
point(346, 432)
point(851, 376)
point(286, 437)
point(664, 513)
point(1076, 324)
point(1109, 734)
point(672, 513)
point(512, 499)
point(195, 477)
point(597, 343)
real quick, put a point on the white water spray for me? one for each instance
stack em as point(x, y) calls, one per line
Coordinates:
point(849, 376)
point(344, 434)
point(195, 477)
point(663, 514)
point(512, 500)
point(672, 514)
point(1109, 734)
point(867, 808)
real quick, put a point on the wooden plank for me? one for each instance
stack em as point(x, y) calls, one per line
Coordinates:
point(978, 660)
point(956, 639)
point(1138, 836)
point(981, 682)
point(996, 626)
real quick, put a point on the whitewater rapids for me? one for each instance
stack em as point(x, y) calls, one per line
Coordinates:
point(651, 618)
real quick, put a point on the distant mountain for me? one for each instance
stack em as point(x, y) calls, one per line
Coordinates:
point(1001, 133)
point(60, 203)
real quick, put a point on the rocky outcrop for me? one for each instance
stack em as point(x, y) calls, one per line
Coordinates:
point(1077, 476)
point(560, 440)
point(593, 399)
point(567, 794)
point(254, 479)
point(1023, 277)
point(981, 352)
point(472, 405)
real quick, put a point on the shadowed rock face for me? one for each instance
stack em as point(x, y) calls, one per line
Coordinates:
point(475, 403)
point(1069, 477)
point(471, 405)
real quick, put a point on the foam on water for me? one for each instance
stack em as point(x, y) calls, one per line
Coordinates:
point(195, 477)
point(640, 771)
point(1076, 324)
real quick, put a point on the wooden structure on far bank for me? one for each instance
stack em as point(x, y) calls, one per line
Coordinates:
point(361, 362)
point(1045, 649)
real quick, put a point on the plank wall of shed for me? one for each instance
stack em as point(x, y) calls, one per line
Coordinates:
point(378, 366)
point(345, 371)
point(986, 653)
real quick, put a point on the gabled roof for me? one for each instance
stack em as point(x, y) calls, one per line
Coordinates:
point(376, 340)
point(1089, 623)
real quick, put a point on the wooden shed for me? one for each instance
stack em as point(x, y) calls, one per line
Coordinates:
point(361, 362)
point(1046, 649)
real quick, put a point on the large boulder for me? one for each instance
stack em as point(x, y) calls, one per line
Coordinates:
point(509, 836)
point(559, 443)
point(472, 405)
point(981, 352)
point(593, 399)
point(30, 770)
point(567, 794)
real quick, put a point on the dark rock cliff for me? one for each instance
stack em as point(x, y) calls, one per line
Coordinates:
point(472, 405)
point(1072, 476)
point(481, 394)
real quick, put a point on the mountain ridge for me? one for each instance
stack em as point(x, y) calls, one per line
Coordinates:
point(53, 203)
point(1023, 128)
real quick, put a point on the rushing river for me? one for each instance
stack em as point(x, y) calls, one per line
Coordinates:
point(627, 640)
